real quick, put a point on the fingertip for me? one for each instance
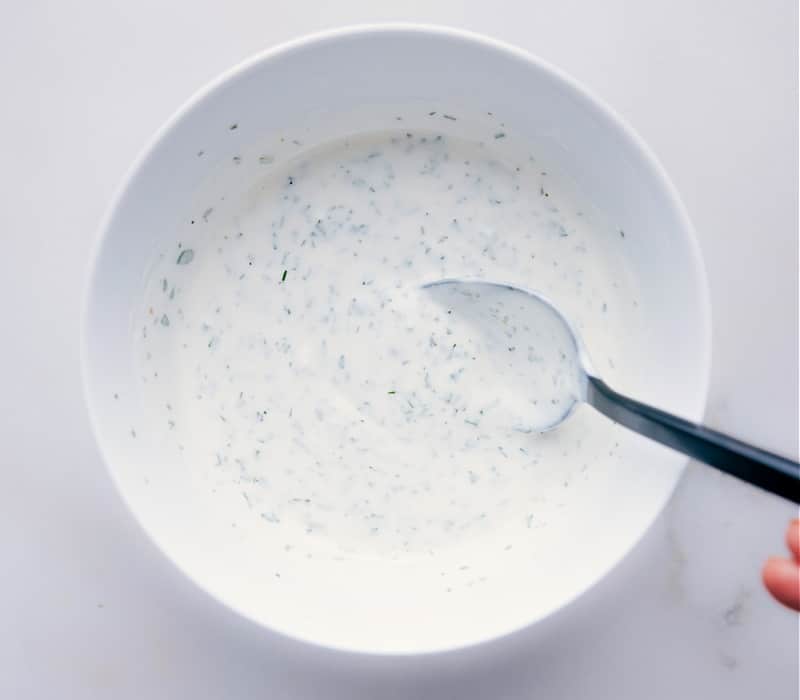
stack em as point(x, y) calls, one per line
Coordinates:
point(782, 579)
point(768, 572)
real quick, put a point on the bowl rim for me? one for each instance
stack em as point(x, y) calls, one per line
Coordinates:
point(309, 41)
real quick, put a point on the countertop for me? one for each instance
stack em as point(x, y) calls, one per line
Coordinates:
point(92, 610)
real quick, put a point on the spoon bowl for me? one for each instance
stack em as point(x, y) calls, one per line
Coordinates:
point(541, 354)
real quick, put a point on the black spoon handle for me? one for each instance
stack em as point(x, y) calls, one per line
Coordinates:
point(768, 471)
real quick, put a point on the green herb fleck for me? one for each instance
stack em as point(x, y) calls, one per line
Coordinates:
point(391, 392)
point(500, 135)
point(283, 276)
point(185, 257)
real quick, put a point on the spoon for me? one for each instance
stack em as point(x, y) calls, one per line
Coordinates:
point(543, 352)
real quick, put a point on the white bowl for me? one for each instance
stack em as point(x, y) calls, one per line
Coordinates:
point(364, 606)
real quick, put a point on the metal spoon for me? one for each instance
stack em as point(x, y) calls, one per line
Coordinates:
point(567, 375)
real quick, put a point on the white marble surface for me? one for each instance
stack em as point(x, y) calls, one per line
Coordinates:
point(91, 610)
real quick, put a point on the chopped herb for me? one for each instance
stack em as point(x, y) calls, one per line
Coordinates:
point(185, 257)
point(391, 392)
point(449, 116)
point(233, 127)
point(283, 276)
point(500, 135)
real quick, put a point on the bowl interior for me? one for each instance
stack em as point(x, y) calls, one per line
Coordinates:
point(330, 86)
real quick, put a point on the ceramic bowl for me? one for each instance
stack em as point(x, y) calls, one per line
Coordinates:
point(338, 82)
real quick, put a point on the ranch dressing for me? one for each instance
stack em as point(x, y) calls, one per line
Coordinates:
point(287, 349)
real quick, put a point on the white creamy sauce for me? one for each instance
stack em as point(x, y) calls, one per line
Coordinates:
point(287, 349)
